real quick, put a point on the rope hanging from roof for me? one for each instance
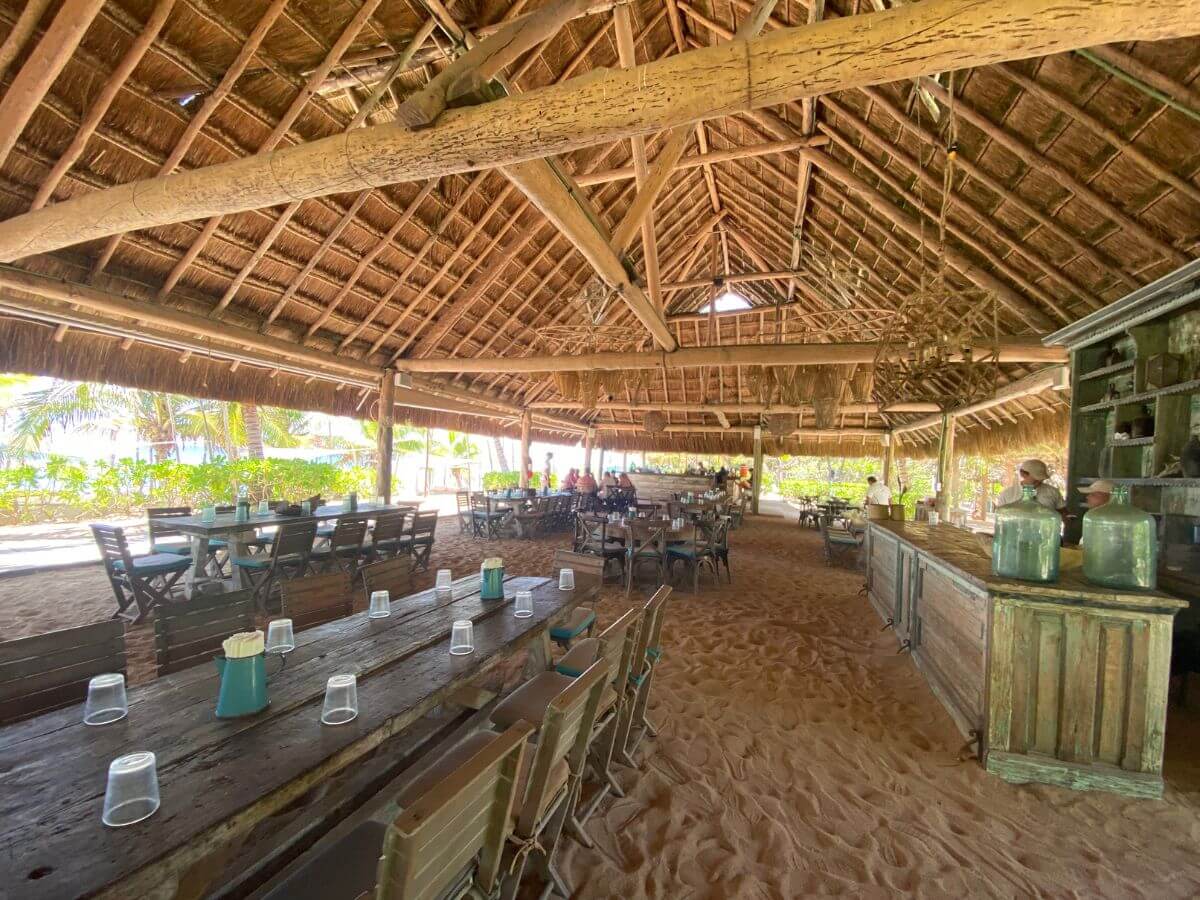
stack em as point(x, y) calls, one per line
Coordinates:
point(925, 353)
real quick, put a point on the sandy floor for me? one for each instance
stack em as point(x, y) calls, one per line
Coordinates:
point(800, 755)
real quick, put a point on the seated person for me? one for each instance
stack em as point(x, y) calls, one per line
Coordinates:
point(572, 480)
point(587, 483)
point(624, 483)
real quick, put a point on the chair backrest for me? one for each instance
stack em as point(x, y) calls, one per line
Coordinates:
point(190, 634)
point(479, 503)
point(294, 539)
point(49, 671)
point(651, 629)
point(617, 644)
point(113, 548)
point(317, 599)
point(424, 524)
point(466, 816)
point(159, 529)
point(464, 500)
point(565, 733)
point(392, 575)
point(349, 532)
point(588, 564)
point(388, 526)
point(644, 538)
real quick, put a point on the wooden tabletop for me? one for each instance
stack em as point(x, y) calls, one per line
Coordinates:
point(226, 523)
point(218, 777)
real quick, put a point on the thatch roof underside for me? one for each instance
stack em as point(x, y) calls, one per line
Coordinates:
point(1077, 180)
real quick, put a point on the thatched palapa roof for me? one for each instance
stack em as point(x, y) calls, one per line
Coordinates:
point(307, 215)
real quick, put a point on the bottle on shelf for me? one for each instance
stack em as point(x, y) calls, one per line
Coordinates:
point(1026, 541)
point(1120, 544)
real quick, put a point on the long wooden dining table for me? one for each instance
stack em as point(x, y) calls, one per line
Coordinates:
point(218, 778)
point(239, 534)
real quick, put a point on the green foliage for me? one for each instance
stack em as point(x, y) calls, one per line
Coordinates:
point(62, 488)
point(502, 481)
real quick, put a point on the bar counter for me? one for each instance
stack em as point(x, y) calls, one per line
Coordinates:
point(1061, 683)
point(655, 487)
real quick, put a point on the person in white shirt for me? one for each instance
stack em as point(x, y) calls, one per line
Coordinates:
point(878, 492)
point(1033, 473)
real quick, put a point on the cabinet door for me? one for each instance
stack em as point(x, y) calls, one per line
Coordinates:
point(884, 560)
point(905, 593)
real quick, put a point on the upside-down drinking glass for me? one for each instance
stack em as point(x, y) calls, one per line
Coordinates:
point(280, 636)
point(132, 791)
point(341, 700)
point(462, 640)
point(105, 700)
point(380, 608)
point(523, 608)
point(566, 579)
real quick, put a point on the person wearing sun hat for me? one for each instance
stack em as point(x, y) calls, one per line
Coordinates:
point(1033, 473)
point(1097, 493)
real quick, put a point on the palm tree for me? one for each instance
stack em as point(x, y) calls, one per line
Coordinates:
point(254, 432)
point(228, 426)
point(87, 406)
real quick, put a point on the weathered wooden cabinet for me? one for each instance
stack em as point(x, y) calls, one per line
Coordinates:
point(1064, 684)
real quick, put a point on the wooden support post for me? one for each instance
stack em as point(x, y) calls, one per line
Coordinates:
point(525, 422)
point(387, 414)
point(589, 438)
point(756, 484)
point(889, 458)
point(945, 472)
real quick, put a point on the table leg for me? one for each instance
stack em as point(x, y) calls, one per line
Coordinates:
point(198, 570)
point(539, 657)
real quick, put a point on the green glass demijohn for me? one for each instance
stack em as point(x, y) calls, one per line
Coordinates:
point(1120, 544)
point(1026, 542)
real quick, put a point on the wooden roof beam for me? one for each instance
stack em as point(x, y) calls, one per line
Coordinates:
point(721, 80)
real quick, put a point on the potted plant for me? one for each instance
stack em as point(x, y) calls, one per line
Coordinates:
point(897, 507)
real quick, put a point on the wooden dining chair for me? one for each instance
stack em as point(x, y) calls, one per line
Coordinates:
point(317, 599)
point(697, 552)
point(140, 583)
point(392, 575)
point(463, 501)
point(447, 837)
point(344, 549)
point(486, 520)
point(644, 543)
point(190, 634)
point(839, 543)
point(386, 534)
point(614, 648)
point(163, 537)
point(581, 619)
point(564, 711)
point(419, 540)
point(634, 724)
point(49, 671)
point(288, 558)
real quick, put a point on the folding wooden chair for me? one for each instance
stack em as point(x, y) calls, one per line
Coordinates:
point(49, 671)
point(164, 538)
point(386, 535)
point(839, 543)
point(392, 575)
point(463, 499)
point(345, 547)
point(288, 559)
point(485, 520)
point(190, 634)
point(317, 599)
point(564, 709)
point(419, 540)
point(581, 618)
point(614, 648)
point(447, 840)
point(140, 583)
point(646, 654)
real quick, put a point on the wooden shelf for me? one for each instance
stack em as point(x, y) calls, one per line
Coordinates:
point(1151, 482)
point(1115, 369)
point(1132, 442)
point(1184, 387)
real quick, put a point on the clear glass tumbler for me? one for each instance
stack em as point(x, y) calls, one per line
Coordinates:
point(280, 636)
point(444, 578)
point(132, 791)
point(341, 700)
point(523, 608)
point(105, 700)
point(566, 579)
point(462, 640)
point(380, 607)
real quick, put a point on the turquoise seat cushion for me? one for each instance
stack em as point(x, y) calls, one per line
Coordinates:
point(577, 623)
point(156, 564)
point(177, 549)
point(843, 539)
point(653, 653)
point(252, 562)
point(688, 552)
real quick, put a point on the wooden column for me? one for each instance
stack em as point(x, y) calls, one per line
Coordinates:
point(945, 472)
point(383, 445)
point(524, 470)
point(889, 458)
point(756, 486)
point(589, 438)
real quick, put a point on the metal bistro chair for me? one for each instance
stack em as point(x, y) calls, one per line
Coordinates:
point(140, 582)
point(345, 547)
point(50, 671)
point(190, 634)
point(419, 540)
point(288, 559)
point(447, 838)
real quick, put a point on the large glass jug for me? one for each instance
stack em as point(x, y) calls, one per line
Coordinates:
point(1026, 541)
point(1120, 544)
